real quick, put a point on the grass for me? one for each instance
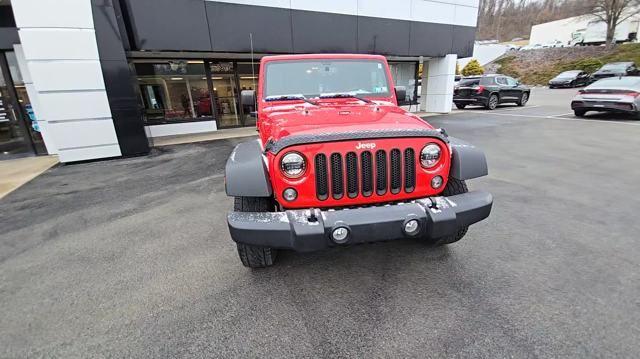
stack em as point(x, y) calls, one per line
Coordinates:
point(540, 74)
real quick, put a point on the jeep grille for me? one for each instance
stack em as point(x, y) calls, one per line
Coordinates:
point(391, 172)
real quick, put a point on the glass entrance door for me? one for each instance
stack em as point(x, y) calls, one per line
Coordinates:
point(15, 136)
point(225, 93)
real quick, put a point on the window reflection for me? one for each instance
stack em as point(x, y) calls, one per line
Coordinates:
point(173, 91)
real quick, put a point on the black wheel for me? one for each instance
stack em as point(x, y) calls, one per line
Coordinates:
point(572, 84)
point(523, 99)
point(493, 102)
point(454, 186)
point(254, 256)
point(461, 106)
point(579, 113)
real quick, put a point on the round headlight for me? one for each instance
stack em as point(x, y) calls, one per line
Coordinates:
point(293, 165)
point(430, 155)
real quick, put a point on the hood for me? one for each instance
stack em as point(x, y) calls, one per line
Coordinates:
point(307, 119)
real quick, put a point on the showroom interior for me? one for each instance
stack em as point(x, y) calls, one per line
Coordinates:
point(90, 79)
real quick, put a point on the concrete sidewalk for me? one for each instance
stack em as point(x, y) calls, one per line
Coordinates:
point(15, 173)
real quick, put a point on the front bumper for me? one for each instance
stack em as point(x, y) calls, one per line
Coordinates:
point(310, 229)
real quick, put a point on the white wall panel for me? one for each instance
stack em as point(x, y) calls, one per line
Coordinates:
point(180, 128)
point(466, 16)
point(472, 3)
point(432, 11)
point(400, 10)
point(62, 106)
point(59, 44)
point(61, 56)
point(89, 153)
point(74, 134)
point(53, 13)
point(440, 85)
point(348, 7)
point(439, 88)
point(67, 75)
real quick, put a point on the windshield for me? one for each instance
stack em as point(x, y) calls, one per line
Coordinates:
point(316, 78)
point(568, 74)
point(615, 66)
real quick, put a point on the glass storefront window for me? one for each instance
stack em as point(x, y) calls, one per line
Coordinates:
point(225, 93)
point(178, 91)
point(173, 91)
point(404, 74)
point(248, 78)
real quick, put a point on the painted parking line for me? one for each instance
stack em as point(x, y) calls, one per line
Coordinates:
point(510, 109)
point(558, 117)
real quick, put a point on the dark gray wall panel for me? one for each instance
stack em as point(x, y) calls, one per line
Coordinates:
point(169, 24)
point(383, 36)
point(8, 37)
point(323, 32)
point(429, 39)
point(231, 24)
point(463, 39)
point(118, 81)
point(198, 25)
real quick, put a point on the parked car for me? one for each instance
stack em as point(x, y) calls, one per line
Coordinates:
point(617, 94)
point(337, 162)
point(615, 69)
point(571, 78)
point(490, 91)
point(532, 47)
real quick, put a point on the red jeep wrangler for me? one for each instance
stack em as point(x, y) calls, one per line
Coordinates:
point(338, 162)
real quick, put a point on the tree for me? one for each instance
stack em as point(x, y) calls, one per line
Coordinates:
point(473, 68)
point(613, 13)
point(457, 68)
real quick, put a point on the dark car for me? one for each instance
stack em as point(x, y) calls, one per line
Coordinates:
point(490, 91)
point(571, 78)
point(617, 94)
point(615, 69)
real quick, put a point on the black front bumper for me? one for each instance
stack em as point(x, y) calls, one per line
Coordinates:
point(310, 229)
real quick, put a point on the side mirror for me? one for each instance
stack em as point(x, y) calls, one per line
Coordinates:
point(401, 94)
point(248, 97)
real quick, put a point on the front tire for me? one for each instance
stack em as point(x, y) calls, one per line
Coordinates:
point(523, 99)
point(461, 106)
point(579, 113)
point(493, 101)
point(454, 186)
point(255, 256)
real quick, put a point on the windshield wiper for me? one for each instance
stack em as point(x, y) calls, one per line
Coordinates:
point(289, 98)
point(345, 95)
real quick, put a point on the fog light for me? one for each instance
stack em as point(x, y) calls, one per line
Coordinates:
point(436, 182)
point(290, 194)
point(412, 227)
point(340, 234)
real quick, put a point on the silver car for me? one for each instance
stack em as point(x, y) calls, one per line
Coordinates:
point(615, 94)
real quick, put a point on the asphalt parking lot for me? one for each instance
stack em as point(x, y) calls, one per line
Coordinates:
point(132, 258)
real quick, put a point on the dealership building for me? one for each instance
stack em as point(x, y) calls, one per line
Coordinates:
point(91, 79)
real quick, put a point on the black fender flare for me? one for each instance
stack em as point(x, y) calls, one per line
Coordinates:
point(246, 173)
point(467, 160)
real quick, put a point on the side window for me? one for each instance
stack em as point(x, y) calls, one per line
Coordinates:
point(501, 81)
point(511, 82)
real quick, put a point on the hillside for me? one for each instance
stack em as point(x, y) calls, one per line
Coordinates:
point(537, 67)
point(504, 20)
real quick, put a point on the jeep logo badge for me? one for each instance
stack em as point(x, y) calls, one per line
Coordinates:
point(368, 146)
